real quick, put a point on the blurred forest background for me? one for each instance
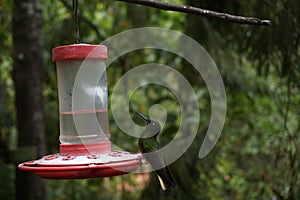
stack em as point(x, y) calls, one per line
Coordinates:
point(258, 153)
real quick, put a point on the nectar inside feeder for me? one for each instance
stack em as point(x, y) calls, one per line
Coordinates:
point(85, 149)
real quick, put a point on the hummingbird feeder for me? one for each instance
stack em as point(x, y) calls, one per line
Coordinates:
point(85, 149)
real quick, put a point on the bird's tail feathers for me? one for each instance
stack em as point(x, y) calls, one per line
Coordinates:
point(166, 179)
point(162, 184)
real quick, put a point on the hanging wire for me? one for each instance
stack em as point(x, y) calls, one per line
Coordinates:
point(75, 10)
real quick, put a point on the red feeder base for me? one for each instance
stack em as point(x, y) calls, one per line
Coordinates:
point(83, 161)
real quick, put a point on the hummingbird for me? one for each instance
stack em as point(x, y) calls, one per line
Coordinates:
point(148, 143)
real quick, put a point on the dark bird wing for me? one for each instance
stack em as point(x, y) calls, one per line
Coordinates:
point(165, 177)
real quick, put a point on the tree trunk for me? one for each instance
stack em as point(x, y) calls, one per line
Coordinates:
point(28, 79)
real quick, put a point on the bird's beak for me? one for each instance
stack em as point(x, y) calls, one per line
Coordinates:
point(143, 117)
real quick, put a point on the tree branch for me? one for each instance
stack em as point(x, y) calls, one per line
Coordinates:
point(93, 26)
point(200, 11)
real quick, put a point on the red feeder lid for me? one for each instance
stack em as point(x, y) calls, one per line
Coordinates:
point(79, 51)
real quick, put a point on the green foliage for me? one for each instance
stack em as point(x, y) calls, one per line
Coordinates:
point(7, 178)
point(7, 108)
point(121, 187)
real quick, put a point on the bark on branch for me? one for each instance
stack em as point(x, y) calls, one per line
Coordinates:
point(199, 11)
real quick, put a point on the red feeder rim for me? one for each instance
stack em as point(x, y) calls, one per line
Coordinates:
point(85, 161)
point(84, 149)
point(79, 51)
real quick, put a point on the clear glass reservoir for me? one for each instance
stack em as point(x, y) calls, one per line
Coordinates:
point(82, 89)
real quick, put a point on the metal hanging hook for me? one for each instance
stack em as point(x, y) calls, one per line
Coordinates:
point(75, 10)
